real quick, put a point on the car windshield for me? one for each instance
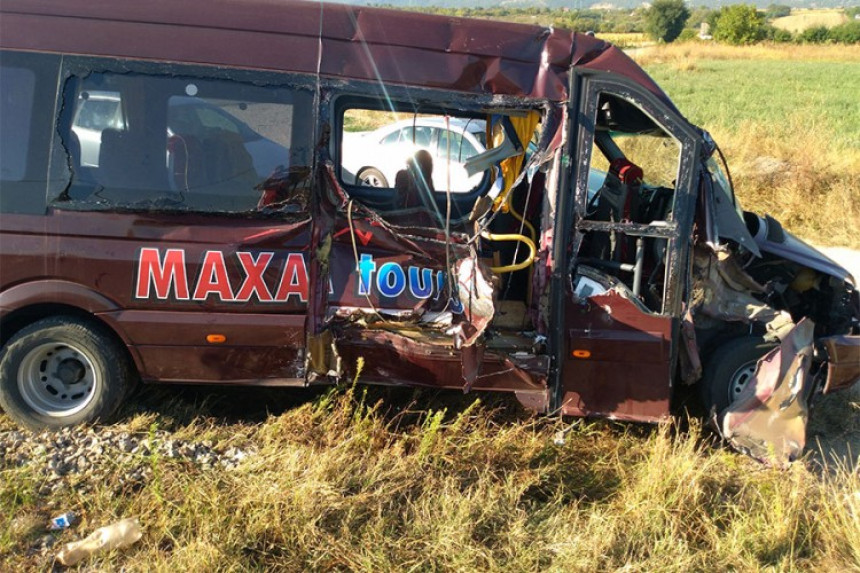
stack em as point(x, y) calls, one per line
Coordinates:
point(720, 179)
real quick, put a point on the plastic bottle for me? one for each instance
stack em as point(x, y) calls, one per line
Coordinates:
point(115, 536)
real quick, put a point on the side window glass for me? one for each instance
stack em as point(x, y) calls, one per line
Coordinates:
point(207, 117)
point(392, 137)
point(16, 111)
point(145, 142)
point(460, 149)
point(28, 92)
point(467, 150)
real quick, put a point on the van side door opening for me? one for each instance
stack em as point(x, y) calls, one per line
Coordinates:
point(635, 201)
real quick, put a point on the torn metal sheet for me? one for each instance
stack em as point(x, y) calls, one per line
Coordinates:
point(388, 289)
point(322, 359)
point(768, 419)
point(723, 291)
point(475, 297)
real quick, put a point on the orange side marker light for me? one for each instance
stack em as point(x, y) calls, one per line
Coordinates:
point(216, 338)
point(579, 353)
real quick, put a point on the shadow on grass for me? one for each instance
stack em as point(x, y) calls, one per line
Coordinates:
point(224, 405)
point(833, 434)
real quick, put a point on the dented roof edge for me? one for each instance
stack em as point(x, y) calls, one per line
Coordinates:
point(329, 40)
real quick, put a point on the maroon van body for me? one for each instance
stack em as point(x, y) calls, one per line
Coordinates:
point(178, 204)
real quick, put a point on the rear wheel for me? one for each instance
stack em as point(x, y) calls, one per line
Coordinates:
point(729, 369)
point(372, 177)
point(62, 371)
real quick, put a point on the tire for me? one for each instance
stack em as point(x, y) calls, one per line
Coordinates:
point(372, 177)
point(63, 371)
point(729, 368)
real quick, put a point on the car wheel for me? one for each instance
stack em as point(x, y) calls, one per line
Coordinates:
point(372, 177)
point(62, 371)
point(729, 369)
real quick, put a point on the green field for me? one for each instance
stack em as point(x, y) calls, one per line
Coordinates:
point(728, 93)
point(787, 119)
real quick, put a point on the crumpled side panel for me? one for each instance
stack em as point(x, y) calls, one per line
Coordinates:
point(432, 322)
point(768, 420)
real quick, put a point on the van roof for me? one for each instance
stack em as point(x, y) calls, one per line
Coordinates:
point(334, 40)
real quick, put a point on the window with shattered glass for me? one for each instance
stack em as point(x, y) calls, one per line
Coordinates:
point(170, 143)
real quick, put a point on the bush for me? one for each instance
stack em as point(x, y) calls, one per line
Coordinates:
point(688, 34)
point(777, 11)
point(847, 33)
point(778, 35)
point(739, 24)
point(815, 35)
point(665, 19)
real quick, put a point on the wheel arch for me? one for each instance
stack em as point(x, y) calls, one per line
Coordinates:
point(29, 302)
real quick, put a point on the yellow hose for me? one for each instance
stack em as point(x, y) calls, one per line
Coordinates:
point(522, 220)
point(513, 237)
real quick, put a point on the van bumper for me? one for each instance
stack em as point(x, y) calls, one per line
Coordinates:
point(843, 361)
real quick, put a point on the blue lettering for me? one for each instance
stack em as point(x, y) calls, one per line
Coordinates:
point(391, 280)
point(440, 284)
point(420, 282)
point(366, 269)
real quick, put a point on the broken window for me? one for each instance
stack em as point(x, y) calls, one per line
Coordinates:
point(148, 142)
point(376, 146)
point(633, 167)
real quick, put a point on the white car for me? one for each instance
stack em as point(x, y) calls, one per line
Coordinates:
point(373, 158)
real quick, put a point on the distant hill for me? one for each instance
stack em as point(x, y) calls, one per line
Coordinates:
point(583, 4)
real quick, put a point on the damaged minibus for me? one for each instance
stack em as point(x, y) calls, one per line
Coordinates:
point(260, 193)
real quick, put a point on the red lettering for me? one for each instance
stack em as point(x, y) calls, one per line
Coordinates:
point(213, 278)
point(254, 282)
point(164, 275)
point(294, 280)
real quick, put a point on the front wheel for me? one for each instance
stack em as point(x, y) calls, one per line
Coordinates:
point(62, 371)
point(729, 369)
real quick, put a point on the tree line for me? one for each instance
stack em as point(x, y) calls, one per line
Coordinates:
point(670, 20)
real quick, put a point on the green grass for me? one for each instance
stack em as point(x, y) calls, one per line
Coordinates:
point(400, 481)
point(728, 93)
point(787, 119)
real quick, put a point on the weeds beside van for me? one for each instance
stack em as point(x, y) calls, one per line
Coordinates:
point(259, 193)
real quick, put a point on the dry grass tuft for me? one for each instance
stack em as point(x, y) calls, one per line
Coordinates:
point(348, 482)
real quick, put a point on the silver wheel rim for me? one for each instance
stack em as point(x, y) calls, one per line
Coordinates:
point(371, 180)
point(740, 379)
point(57, 379)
